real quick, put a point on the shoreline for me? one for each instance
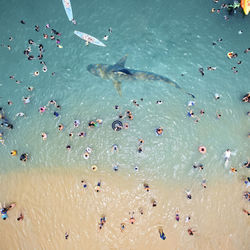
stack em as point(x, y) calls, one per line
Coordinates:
point(54, 202)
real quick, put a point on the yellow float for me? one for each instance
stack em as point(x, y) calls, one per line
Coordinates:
point(245, 5)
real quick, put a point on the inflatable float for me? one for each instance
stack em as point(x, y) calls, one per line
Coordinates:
point(245, 5)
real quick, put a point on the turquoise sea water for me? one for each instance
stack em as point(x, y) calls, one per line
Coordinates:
point(165, 37)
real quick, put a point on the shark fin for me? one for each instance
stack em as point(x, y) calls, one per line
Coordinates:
point(118, 86)
point(121, 63)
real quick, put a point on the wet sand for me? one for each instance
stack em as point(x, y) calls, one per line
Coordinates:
point(54, 202)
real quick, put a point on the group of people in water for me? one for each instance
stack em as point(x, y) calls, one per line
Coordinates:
point(117, 125)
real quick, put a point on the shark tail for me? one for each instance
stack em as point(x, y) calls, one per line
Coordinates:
point(174, 84)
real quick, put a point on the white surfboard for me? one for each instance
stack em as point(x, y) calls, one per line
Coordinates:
point(89, 38)
point(68, 9)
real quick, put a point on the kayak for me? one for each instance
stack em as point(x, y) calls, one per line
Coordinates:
point(68, 9)
point(245, 5)
point(89, 38)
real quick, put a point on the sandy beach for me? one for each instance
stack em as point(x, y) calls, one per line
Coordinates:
point(54, 202)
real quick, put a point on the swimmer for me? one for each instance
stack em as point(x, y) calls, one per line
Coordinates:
point(191, 103)
point(218, 116)
point(98, 187)
point(227, 155)
point(201, 167)
point(21, 217)
point(24, 157)
point(188, 218)
point(141, 141)
point(18, 82)
point(139, 150)
point(146, 187)
point(45, 36)
point(110, 30)
point(12, 77)
point(162, 235)
point(82, 134)
point(114, 148)
point(66, 236)
point(44, 136)
point(159, 131)
point(141, 210)
point(201, 70)
point(158, 102)
point(22, 22)
point(202, 112)
point(76, 123)
point(20, 114)
point(188, 193)
point(30, 41)
point(45, 69)
point(125, 125)
point(116, 107)
point(71, 134)
point(245, 211)
point(216, 96)
point(10, 103)
point(8, 46)
point(37, 28)
point(30, 58)
point(106, 37)
point(60, 127)
point(203, 183)
point(68, 147)
point(131, 219)
point(56, 114)
point(30, 88)
point(84, 184)
point(136, 168)
point(130, 117)
point(154, 203)
point(26, 100)
point(52, 102)
point(115, 168)
point(190, 113)
point(177, 216)
point(190, 231)
point(247, 50)
point(73, 21)
point(102, 222)
point(211, 68)
point(99, 121)
point(4, 210)
point(246, 164)
point(122, 227)
point(233, 170)
point(86, 155)
point(92, 124)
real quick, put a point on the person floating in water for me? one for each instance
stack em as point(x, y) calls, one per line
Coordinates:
point(162, 235)
point(4, 210)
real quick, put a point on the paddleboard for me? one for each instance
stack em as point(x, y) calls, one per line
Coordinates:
point(68, 9)
point(89, 38)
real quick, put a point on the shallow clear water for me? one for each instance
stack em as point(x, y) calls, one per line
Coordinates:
point(160, 37)
point(165, 37)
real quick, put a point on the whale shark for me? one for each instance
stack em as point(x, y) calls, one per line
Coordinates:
point(118, 73)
